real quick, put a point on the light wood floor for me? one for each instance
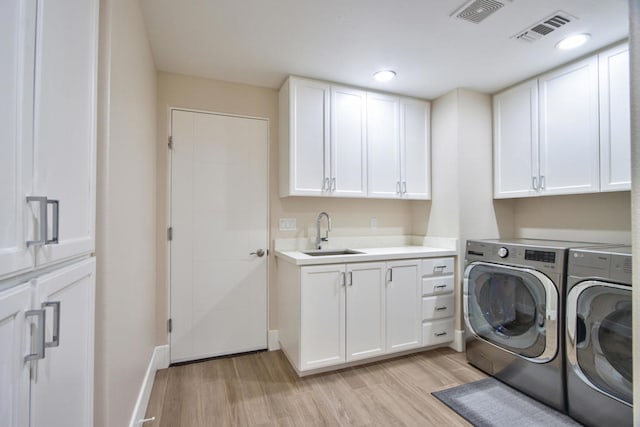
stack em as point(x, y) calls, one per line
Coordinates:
point(261, 389)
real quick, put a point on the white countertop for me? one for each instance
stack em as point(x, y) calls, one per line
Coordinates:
point(367, 254)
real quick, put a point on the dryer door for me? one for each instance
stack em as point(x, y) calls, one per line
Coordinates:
point(599, 337)
point(512, 308)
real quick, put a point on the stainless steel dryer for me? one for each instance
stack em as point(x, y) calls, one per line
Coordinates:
point(599, 352)
point(513, 310)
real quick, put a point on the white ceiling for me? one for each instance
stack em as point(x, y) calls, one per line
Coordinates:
point(260, 42)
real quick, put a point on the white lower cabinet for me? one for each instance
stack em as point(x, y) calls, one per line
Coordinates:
point(438, 303)
point(46, 349)
point(333, 314)
point(342, 313)
point(403, 305)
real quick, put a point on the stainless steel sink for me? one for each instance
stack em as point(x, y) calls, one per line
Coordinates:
point(332, 252)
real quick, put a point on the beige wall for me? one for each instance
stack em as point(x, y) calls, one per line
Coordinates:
point(600, 217)
point(350, 217)
point(125, 232)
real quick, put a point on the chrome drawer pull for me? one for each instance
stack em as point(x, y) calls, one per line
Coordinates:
point(440, 286)
point(444, 307)
point(440, 334)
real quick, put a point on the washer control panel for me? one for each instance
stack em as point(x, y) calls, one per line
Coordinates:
point(503, 252)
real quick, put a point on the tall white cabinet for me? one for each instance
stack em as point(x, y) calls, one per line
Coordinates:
point(47, 214)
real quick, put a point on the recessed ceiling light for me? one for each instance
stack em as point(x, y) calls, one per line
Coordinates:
point(384, 75)
point(573, 41)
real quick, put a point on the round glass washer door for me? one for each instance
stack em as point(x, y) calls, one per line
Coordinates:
point(601, 343)
point(512, 308)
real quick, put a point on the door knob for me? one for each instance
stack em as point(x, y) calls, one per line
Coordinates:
point(259, 252)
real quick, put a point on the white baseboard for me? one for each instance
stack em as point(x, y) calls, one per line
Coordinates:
point(159, 360)
point(458, 340)
point(274, 340)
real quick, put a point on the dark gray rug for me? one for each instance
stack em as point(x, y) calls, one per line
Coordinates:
point(490, 403)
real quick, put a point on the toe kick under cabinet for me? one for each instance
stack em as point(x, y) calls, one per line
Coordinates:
point(333, 315)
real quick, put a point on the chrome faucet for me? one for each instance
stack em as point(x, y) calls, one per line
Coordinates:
point(319, 239)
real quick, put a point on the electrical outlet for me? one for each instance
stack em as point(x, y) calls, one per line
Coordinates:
point(288, 224)
point(373, 223)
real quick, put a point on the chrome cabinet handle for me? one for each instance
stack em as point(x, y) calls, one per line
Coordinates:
point(444, 307)
point(55, 341)
point(325, 185)
point(404, 187)
point(333, 184)
point(343, 279)
point(43, 229)
point(439, 334)
point(440, 267)
point(56, 221)
point(542, 183)
point(351, 278)
point(390, 270)
point(42, 201)
point(534, 183)
point(440, 286)
point(39, 341)
point(398, 187)
point(259, 252)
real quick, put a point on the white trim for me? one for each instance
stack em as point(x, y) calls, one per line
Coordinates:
point(159, 360)
point(274, 340)
point(458, 340)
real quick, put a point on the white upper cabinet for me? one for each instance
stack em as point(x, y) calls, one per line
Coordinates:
point(348, 175)
point(615, 123)
point(323, 149)
point(565, 132)
point(17, 32)
point(337, 141)
point(47, 169)
point(399, 150)
point(383, 141)
point(415, 153)
point(304, 144)
point(515, 141)
point(569, 131)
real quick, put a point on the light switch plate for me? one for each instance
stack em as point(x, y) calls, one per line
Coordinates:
point(288, 224)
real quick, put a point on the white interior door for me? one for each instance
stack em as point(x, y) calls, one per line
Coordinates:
point(219, 214)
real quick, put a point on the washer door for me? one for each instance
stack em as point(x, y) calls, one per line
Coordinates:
point(512, 308)
point(599, 337)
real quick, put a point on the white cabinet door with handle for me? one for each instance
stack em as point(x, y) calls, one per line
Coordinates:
point(65, 126)
point(17, 32)
point(14, 347)
point(62, 384)
point(403, 306)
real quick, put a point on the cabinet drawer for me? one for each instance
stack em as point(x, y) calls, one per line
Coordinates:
point(437, 285)
point(437, 307)
point(437, 332)
point(437, 266)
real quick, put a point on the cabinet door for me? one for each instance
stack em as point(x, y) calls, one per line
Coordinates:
point(17, 32)
point(515, 141)
point(615, 122)
point(569, 130)
point(322, 316)
point(309, 137)
point(403, 305)
point(14, 372)
point(65, 122)
point(415, 155)
point(348, 142)
point(383, 145)
point(365, 310)
point(62, 387)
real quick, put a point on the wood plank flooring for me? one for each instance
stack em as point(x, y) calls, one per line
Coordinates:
point(261, 389)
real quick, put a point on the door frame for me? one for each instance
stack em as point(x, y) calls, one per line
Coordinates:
point(168, 195)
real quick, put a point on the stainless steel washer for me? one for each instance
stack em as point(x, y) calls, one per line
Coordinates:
point(513, 309)
point(598, 336)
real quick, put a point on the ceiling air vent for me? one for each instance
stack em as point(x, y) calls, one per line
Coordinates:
point(544, 27)
point(477, 10)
